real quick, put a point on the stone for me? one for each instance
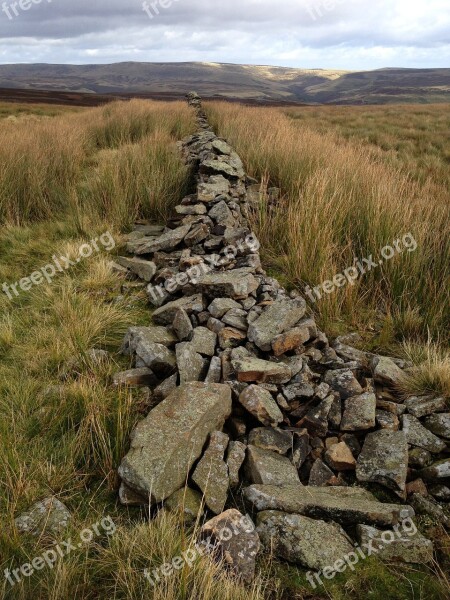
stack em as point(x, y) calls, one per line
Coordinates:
point(231, 338)
point(316, 419)
point(314, 544)
point(387, 420)
point(291, 340)
point(260, 403)
point(359, 413)
point(186, 502)
point(335, 414)
point(216, 186)
point(266, 467)
point(419, 458)
point(193, 209)
point(235, 459)
point(320, 475)
point(182, 325)
point(136, 378)
point(211, 473)
point(345, 505)
point(429, 506)
point(144, 269)
point(424, 406)
point(204, 341)
point(220, 167)
point(156, 335)
point(220, 306)
point(407, 545)
point(165, 388)
point(167, 241)
point(222, 214)
point(439, 425)
point(271, 438)
point(416, 487)
point(129, 497)
point(386, 372)
point(384, 460)
point(166, 314)
point(275, 320)
point(255, 370)
point(236, 318)
point(46, 516)
point(340, 458)
point(156, 357)
point(348, 353)
point(166, 444)
point(438, 470)
point(392, 407)
point(440, 492)
point(235, 540)
point(344, 382)
point(301, 448)
point(233, 284)
point(197, 234)
point(214, 374)
point(418, 435)
point(190, 363)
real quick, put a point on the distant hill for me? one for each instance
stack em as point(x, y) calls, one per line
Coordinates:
point(244, 82)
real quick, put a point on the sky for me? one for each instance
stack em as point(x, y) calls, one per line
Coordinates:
point(329, 34)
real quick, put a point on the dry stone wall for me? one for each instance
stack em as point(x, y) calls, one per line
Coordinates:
point(253, 404)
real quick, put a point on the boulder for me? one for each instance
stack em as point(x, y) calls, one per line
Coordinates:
point(421, 407)
point(215, 186)
point(166, 314)
point(234, 539)
point(220, 306)
point(251, 370)
point(156, 357)
point(314, 544)
point(407, 545)
point(204, 341)
point(291, 340)
point(269, 468)
point(320, 475)
point(439, 425)
point(418, 435)
point(144, 269)
point(386, 372)
point(260, 403)
point(182, 325)
point(155, 335)
point(344, 382)
point(235, 459)
point(340, 457)
point(166, 444)
point(233, 284)
point(167, 241)
point(188, 503)
point(271, 438)
point(345, 505)
point(384, 460)
point(46, 516)
point(136, 378)
point(211, 473)
point(275, 320)
point(359, 413)
point(190, 363)
point(438, 470)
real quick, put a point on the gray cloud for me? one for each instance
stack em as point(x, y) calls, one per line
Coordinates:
point(350, 34)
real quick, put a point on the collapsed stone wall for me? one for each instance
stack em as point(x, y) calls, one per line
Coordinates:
point(251, 402)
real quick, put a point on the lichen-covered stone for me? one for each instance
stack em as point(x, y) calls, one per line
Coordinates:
point(260, 403)
point(266, 467)
point(211, 473)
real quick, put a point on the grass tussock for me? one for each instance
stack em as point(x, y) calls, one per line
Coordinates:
point(340, 202)
point(50, 168)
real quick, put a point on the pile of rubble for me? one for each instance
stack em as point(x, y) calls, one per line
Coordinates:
point(253, 407)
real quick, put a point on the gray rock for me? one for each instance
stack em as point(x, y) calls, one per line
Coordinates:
point(301, 448)
point(439, 425)
point(165, 388)
point(235, 459)
point(220, 167)
point(271, 438)
point(156, 357)
point(204, 341)
point(156, 335)
point(275, 320)
point(193, 209)
point(197, 234)
point(235, 540)
point(220, 306)
point(421, 407)
point(211, 473)
point(344, 382)
point(166, 314)
point(144, 269)
point(419, 458)
point(166, 444)
point(340, 458)
point(440, 492)
point(408, 545)
point(222, 214)
point(234, 284)
point(214, 374)
point(190, 363)
point(236, 318)
point(320, 475)
point(255, 370)
point(182, 325)
point(384, 460)
point(260, 403)
point(300, 540)
point(166, 242)
point(129, 497)
point(136, 378)
point(429, 506)
point(359, 413)
point(216, 186)
point(186, 502)
point(46, 516)
point(316, 419)
point(386, 372)
point(418, 435)
point(266, 467)
point(438, 470)
point(345, 505)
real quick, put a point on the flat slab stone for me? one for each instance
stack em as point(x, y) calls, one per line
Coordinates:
point(421, 407)
point(190, 363)
point(439, 425)
point(345, 505)
point(216, 186)
point(385, 371)
point(344, 382)
point(359, 413)
point(255, 370)
point(156, 335)
point(269, 468)
point(410, 547)
point(384, 460)
point(166, 314)
point(166, 242)
point(275, 320)
point(166, 444)
point(144, 269)
point(300, 540)
point(437, 471)
point(211, 473)
point(272, 438)
point(420, 436)
point(233, 284)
